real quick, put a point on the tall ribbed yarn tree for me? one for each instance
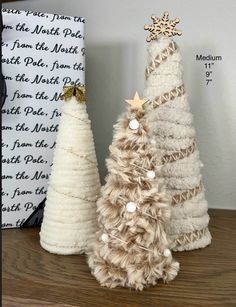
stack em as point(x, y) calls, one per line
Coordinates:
point(69, 221)
point(174, 137)
point(131, 249)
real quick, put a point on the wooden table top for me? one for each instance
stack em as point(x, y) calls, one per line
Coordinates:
point(34, 277)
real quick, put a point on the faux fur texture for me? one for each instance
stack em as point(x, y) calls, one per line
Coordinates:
point(172, 128)
point(133, 253)
point(69, 222)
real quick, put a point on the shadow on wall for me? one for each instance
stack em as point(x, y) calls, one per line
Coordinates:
point(107, 69)
point(211, 119)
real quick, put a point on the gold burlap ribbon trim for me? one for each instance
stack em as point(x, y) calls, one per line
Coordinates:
point(160, 58)
point(186, 195)
point(174, 93)
point(190, 237)
point(178, 155)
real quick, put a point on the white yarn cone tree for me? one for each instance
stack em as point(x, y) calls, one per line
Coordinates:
point(174, 135)
point(69, 221)
point(131, 249)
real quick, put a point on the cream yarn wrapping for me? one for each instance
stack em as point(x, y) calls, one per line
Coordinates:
point(69, 221)
point(172, 128)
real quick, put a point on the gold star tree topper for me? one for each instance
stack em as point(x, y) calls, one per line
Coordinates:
point(162, 27)
point(136, 103)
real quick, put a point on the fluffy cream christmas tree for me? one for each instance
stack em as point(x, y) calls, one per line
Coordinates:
point(69, 221)
point(131, 249)
point(174, 137)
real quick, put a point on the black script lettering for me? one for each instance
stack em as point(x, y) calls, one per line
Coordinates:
point(22, 28)
point(56, 97)
point(40, 191)
point(20, 222)
point(29, 206)
point(7, 128)
point(31, 159)
point(40, 175)
point(32, 111)
point(36, 14)
point(7, 27)
point(12, 208)
point(79, 19)
point(7, 78)
point(18, 45)
point(59, 17)
point(69, 32)
point(18, 192)
point(3, 193)
point(53, 145)
point(13, 60)
point(41, 144)
point(78, 66)
point(18, 144)
point(6, 177)
point(41, 46)
point(30, 61)
point(4, 144)
point(22, 127)
point(55, 113)
point(12, 111)
point(18, 95)
point(22, 78)
point(41, 128)
point(21, 175)
point(68, 80)
point(41, 95)
point(41, 29)
point(60, 48)
point(56, 65)
point(83, 51)
point(11, 11)
point(41, 79)
point(14, 160)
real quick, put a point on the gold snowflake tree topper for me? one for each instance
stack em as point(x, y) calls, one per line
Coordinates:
point(162, 27)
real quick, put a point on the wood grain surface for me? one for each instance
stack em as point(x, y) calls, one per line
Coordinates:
point(33, 277)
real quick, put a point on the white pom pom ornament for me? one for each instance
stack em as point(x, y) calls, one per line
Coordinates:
point(133, 124)
point(131, 207)
point(167, 252)
point(151, 174)
point(104, 237)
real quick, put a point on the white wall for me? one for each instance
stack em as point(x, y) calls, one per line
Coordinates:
point(116, 58)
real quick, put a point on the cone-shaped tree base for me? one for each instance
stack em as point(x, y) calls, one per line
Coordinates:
point(171, 124)
point(69, 221)
point(132, 247)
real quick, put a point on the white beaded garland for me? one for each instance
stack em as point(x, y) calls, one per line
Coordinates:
point(167, 252)
point(133, 124)
point(131, 207)
point(104, 237)
point(151, 174)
